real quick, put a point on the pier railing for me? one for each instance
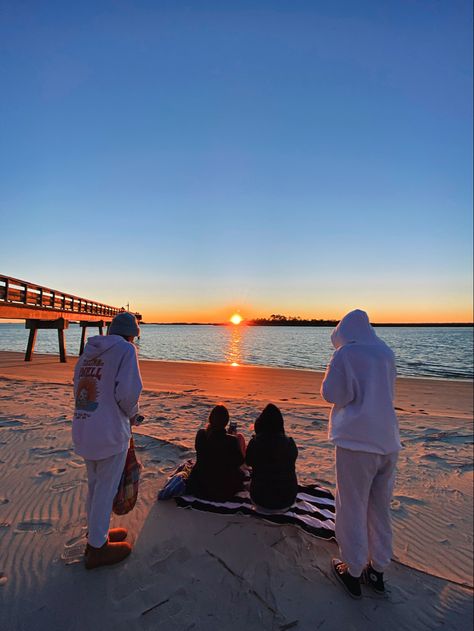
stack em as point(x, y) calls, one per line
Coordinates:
point(45, 308)
point(21, 295)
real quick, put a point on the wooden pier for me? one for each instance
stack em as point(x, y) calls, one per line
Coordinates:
point(45, 308)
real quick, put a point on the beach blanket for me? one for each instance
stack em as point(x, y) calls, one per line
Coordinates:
point(313, 511)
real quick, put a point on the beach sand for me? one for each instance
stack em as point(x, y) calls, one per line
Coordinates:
point(196, 571)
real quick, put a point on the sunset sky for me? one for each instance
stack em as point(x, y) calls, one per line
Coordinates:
point(199, 158)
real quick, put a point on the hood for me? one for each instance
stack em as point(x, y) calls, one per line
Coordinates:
point(354, 328)
point(99, 344)
point(270, 421)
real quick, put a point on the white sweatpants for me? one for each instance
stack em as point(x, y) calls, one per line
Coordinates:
point(364, 486)
point(103, 477)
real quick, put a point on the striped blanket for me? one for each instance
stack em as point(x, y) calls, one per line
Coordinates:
point(313, 510)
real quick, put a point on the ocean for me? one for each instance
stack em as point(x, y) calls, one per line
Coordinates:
point(437, 352)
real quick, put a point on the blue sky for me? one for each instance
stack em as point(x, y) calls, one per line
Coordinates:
point(201, 157)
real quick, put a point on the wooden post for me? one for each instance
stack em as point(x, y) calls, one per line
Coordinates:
point(62, 346)
point(88, 323)
point(31, 344)
point(33, 325)
point(83, 338)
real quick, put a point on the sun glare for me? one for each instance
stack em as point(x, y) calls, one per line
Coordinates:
point(236, 318)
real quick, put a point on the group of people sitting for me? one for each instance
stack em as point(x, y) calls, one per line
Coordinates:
point(221, 452)
point(359, 384)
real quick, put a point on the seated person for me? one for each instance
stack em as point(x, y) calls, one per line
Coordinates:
point(272, 456)
point(216, 475)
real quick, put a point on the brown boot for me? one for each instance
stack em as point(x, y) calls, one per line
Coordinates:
point(108, 554)
point(117, 534)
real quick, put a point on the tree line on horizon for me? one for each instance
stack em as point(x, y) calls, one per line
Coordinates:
point(277, 319)
point(282, 320)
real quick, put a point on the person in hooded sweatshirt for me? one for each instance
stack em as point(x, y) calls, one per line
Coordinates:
point(107, 387)
point(359, 382)
point(272, 455)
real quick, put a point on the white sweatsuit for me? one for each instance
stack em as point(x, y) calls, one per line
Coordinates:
point(359, 382)
point(107, 387)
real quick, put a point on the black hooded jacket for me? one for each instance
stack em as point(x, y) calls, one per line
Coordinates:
point(272, 457)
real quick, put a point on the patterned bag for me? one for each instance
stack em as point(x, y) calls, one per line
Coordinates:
point(176, 483)
point(127, 492)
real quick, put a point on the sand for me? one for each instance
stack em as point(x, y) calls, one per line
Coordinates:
point(192, 570)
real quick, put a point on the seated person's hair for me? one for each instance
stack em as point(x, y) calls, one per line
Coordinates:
point(218, 418)
point(270, 421)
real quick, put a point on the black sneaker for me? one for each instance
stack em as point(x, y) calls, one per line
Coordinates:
point(351, 583)
point(374, 579)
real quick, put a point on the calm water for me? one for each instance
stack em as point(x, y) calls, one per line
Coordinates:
point(429, 352)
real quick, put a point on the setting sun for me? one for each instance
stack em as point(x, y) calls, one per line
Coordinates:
point(236, 318)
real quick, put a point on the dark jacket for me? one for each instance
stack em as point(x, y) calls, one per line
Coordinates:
point(272, 458)
point(216, 474)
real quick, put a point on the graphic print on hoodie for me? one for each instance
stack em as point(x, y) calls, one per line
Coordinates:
point(360, 383)
point(107, 387)
point(90, 374)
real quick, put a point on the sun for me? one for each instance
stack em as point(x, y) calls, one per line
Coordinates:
point(236, 318)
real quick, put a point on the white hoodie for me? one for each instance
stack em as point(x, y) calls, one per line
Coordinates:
point(360, 381)
point(107, 386)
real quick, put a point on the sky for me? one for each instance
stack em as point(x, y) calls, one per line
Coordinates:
point(197, 158)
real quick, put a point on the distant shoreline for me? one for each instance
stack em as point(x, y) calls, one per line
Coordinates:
point(303, 324)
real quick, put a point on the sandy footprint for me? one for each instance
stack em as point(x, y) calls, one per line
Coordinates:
point(34, 526)
point(80, 538)
point(62, 487)
point(432, 457)
point(73, 554)
point(73, 551)
point(51, 473)
point(406, 499)
point(76, 464)
point(10, 423)
point(46, 452)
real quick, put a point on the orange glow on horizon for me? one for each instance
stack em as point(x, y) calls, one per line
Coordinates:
point(377, 316)
point(379, 311)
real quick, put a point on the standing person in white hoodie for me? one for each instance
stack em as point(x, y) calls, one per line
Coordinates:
point(107, 387)
point(359, 382)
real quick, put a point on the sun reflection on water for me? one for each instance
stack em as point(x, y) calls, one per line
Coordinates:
point(234, 348)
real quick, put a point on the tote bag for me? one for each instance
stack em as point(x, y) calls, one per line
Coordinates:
point(127, 492)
